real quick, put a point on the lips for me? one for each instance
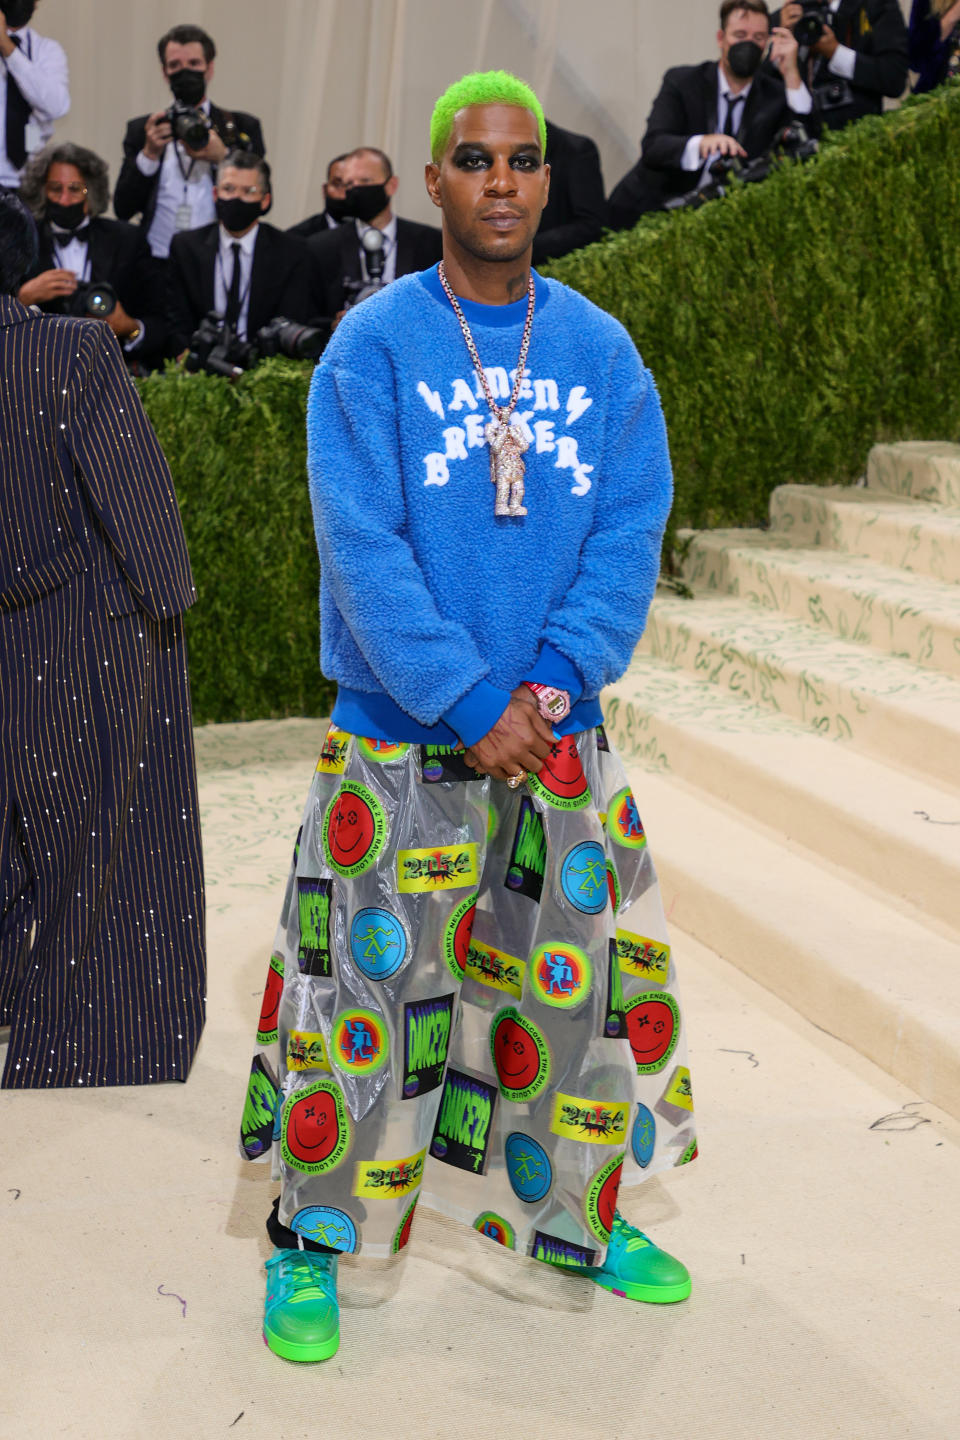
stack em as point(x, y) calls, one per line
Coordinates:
point(502, 219)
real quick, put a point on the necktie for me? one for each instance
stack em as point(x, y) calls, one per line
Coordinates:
point(18, 113)
point(733, 114)
point(233, 295)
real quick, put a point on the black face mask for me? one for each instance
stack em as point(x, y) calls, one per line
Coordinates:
point(363, 202)
point(18, 13)
point(744, 59)
point(68, 217)
point(188, 86)
point(236, 214)
point(337, 209)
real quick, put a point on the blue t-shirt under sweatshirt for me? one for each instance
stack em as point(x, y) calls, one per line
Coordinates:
point(433, 609)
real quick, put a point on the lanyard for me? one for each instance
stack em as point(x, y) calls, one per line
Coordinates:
point(219, 270)
point(84, 275)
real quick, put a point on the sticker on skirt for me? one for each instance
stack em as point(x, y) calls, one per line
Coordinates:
point(496, 1228)
point(457, 934)
point(495, 969)
point(642, 957)
point(583, 877)
point(433, 869)
point(354, 829)
point(528, 1167)
point(314, 898)
point(595, 1122)
point(653, 1029)
point(528, 854)
point(464, 1125)
point(557, 1251)
point(315, 1134)
point(307, 1050)
point(380, 752)
point(267, 1030)
point(359, 1043)
point(561, 783)
point(259, 1109)
point(402, 1235)
point(521, 1056)
point(325, 1225)
point(388, 1179)
point(426, 1040)
point(378, 943)
point(615, 1019)
point(560, 974)
point(441, 764)
point(600, 1200)
point(333, 752)
point(623, 821)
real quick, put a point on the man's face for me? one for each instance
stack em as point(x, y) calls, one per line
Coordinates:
point(186, 57)
point(365, 168)
point(334, 188)
point(491, 183)
point(743, 25)
point(236, 184)
point(65, 185)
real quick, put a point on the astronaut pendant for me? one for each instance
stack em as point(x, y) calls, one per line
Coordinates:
point(507, 443)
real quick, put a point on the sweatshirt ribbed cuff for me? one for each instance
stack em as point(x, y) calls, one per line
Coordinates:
point(552, 668)
point(476, 713)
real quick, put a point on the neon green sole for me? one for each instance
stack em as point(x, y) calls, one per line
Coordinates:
point(292, 1350)
point(652, 1294)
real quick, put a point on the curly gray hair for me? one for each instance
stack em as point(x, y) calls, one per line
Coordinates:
point(95, 174)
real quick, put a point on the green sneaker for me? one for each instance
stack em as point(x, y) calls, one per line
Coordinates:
point(301, 1318)
point(639, 1270)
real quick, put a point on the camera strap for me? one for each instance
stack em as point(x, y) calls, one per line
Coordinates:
point(83, 278)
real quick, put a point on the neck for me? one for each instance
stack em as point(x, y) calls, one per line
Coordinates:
point(734, 83)
point(488, 282)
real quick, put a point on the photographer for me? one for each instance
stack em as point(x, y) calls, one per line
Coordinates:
point(33, 88)
point(169, 182)
point(934, 42)
point(734, 106)
point(340, 257)
point(334, 200)
point(861, 55)
point(66, 188)
point(245, 271)
point(576, 211)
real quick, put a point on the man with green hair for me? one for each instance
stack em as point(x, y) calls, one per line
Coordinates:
point(482, 1009)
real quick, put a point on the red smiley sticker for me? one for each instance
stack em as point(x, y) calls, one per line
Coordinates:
point(316, 1130)
point(354, 829)
point(520, 1055)
point(561, 782)
point(653, 1027)
point(270, 1009)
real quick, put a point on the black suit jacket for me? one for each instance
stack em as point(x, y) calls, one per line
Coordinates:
point(687, 105)
point(313, 225)
point(336, 259)
point(119, 254)
point(136, 194)
point(75, 490)
point(876, 30)
point(280, 281)
point(576, 211)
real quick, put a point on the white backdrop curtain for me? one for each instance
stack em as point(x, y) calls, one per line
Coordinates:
point(327, 75)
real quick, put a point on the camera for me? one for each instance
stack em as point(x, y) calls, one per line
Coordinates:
point(812, 23)
point(216, 348)
point(790, 143)
point(189, 125)
point(92, 298)
point(834, 94)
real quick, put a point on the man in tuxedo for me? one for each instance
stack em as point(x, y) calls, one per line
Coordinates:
point(102, 959)
point(334, 199)
point(576, 211)
point(862, 56)
point(166, 181)
point(34, 90)
point(339, 257)
point(734, 106)
point(244, 270)
point(66, 188)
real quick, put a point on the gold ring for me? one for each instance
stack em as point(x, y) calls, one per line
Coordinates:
point(515, 781)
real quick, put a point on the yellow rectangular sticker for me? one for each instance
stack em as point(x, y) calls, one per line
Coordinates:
point(388, 1179)
point(440, 868)
point(333, 755)
point(598, 1122)
point(306, 1051)
point(493, 967)
point(679, 1091)
point(639, 955)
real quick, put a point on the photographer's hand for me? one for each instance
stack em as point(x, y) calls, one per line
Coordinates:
point(7, 46)
point(158, 137)
point(122, 324)
point(720, 145)
point(520, 740)
point(49, 285)
point(783, 53)
point(790, 13)
point(827, 45)
point(214, 150)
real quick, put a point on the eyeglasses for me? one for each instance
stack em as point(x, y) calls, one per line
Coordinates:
point(248, 192)
point(77, 191)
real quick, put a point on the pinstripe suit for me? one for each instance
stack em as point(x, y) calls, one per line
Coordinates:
point(102, 958)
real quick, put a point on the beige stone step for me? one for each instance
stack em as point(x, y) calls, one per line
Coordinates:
point(924, 469)
point(906, 534)
point(888, 707)
point(897, 613)
point(859, 969)
point(899, 832)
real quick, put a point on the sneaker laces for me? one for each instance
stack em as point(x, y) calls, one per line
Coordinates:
point(304, 1275)
point(631, 1238)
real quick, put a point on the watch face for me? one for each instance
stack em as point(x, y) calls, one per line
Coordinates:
point(555, 706)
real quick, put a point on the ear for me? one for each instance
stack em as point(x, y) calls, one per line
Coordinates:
point(391, 185)
point(266, 203)
point(546, 183)
point(209, 72)
point(431, 178)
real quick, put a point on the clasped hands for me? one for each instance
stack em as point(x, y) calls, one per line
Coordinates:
point(521, 740)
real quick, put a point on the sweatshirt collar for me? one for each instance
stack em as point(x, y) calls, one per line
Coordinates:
point(500, 316)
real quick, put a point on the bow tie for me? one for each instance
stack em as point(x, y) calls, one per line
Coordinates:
point(77, 234)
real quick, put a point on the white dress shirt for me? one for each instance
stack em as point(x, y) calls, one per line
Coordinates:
point(71, 251)
point(389, 250)
point(39, 67)
point(184, 182)
point(224, 274)
point(799, 100)
point(843, 59)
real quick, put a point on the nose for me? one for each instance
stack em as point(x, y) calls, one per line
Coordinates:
point(501, 179)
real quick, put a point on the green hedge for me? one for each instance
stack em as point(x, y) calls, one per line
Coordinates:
point(789, 327)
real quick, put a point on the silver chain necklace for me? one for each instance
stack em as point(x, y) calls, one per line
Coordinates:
point(507, 442)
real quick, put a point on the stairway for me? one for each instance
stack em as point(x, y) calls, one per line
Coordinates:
point(793, 736)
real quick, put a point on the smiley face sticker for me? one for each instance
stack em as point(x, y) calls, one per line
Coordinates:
point(520, 1055)
point(562, 783)
point(653, 1028)
point(354, 829)
point(315, 1131)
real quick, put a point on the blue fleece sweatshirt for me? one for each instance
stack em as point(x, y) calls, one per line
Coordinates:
point(433, 609)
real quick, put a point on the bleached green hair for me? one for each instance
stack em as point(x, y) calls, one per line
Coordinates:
point(483, 87)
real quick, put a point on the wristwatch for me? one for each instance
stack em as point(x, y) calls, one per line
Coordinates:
point(552, 703)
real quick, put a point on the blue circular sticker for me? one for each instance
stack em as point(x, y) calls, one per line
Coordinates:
point(528, 1167)
point(583, 877)
point(378, 943)
point(326, 1226)
point(644, 1137)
